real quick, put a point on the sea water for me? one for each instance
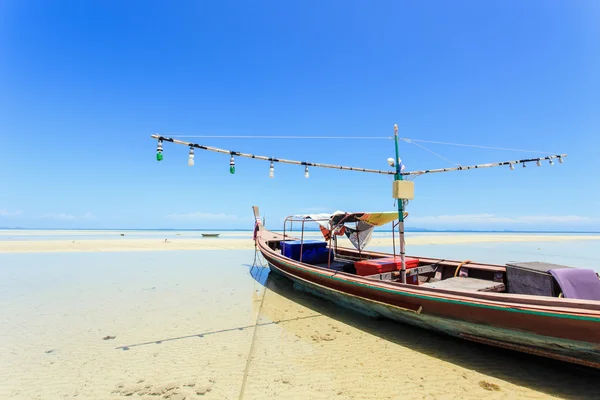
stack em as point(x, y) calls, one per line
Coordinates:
point(580, 254)
point(217, 325)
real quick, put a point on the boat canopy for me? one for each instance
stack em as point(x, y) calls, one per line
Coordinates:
point(358, 227)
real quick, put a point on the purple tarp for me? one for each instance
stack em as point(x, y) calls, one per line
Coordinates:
point(577, 283)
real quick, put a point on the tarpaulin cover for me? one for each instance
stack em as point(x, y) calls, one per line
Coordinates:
point(380, 218)
point(577, 283)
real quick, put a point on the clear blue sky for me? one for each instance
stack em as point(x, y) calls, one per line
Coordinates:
point(84, 84)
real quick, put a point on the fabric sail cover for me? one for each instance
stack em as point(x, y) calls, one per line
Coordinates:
point(357, 227)
point(361, 233)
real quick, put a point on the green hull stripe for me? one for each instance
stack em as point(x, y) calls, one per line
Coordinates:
point(418, 296)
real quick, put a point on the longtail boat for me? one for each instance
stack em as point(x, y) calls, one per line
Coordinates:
point(521, 306)
point(539, 308)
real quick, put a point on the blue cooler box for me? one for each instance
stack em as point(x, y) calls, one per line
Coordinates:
point(291, 249)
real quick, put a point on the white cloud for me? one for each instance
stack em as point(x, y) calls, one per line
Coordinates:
point(313, 210)
point(557, 219)
point(5, 213)
point(459, 218)
point(492, 219)
point(68, 217)
point(61, 216)
point(205, 216)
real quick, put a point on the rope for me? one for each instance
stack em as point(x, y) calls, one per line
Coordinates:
point(249, 357)
point(407, 140)
point(460, 265)
point(434, 153)
point(280, 137)
point(474, 145)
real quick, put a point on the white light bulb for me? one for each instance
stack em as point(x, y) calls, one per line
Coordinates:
point(306, 175)
point(390, 161)
point(560, 160)
point(538, 163)
point(271, 170)
point(191, 157)
point(512, 167)
point(551, 162)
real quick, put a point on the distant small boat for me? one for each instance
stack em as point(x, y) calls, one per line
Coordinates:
point(210, 234)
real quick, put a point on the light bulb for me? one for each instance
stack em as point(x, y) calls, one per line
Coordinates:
point(551, 161)
point(512, 167)
point(538, 163)
point(560, 160)
point(306, 175)
point(271, 170)
point(232, 166)
point(191, 157)
point(390, 161)
point(524, 165)
point(159, 149)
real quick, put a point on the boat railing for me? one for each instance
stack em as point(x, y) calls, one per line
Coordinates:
point(302, 219)
point(331, 237)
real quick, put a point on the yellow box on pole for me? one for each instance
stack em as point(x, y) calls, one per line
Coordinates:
point(403, 190)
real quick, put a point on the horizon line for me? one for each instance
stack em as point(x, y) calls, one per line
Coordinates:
point(413, 229)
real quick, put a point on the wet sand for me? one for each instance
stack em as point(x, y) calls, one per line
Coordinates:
point(208, 325)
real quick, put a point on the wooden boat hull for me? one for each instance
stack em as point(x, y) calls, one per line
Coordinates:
point(571, 337)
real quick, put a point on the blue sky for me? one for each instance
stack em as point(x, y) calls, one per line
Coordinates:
point(83, 85)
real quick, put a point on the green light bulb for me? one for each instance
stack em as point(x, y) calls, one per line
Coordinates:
point(232, 169)
point(159, 156)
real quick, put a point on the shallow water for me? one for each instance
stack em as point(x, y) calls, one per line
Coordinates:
point(211, 319)
point(40, 234)
point(35, 234)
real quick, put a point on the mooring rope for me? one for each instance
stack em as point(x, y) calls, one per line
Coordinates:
point(251, 351)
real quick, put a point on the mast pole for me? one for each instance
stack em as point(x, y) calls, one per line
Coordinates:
point(398, 177)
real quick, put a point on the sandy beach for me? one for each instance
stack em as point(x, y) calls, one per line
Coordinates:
point(243, 241)
point(138, 319)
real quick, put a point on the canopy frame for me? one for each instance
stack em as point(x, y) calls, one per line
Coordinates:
point(334, 224)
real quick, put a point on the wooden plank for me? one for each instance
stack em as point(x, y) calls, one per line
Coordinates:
point(422, 270)
point(469, 284)
point(386, 276)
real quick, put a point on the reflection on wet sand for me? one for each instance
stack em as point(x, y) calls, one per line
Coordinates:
point(354, 356)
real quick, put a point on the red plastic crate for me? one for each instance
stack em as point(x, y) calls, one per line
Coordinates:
point(381, 265)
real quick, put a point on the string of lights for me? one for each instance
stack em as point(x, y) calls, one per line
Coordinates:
point(306, 164)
